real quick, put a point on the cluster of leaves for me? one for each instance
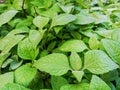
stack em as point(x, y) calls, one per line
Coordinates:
point(60, 45)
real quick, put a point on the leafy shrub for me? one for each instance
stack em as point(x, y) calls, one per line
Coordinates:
point(60, 45)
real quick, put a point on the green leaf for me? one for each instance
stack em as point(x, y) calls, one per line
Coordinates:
point(7, 16)
point(116, 35)
point(98, 84)
point(27, 49)
point(75, 61)
point(109, 76)
point(57, 82)
point(78, 75)
point(84, 19)
point(73, 46)
point(112, 48)
point(10, 40)
point(66, 9)
point(105, 33)
point(55, 64)
point(82, 86)
point(25, 74)
point(3, 57)
point(62, 19)
point(40, 21)
point(100, 18)
point(93, 43)
point(18, 4)
point(13, 86)
point(97, 62)
point(6, 78)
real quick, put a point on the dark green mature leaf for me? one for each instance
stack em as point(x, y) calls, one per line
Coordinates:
point(75, 61)
point(113, 49)
point(73, 46)
point(13, 86)
point(6, 78)
point(7, 16)
point(98, 84)
point(58, 82)
point(27, 49)
point(97, 62)
point(56, 64)
point(62, 19)
point(25, 74)
point(82, 86)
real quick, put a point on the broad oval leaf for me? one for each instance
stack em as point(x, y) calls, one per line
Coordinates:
point(82, 86)
point(25, 74)
point(98, 84)
point(6, 78)
point(73, 46)
point(56, 64)
point(100, 18)
point(83, 19)
point(14, 86)
point(112, 48)
point(62, 19)
point(40, 21)
point(75, 61)
point(7, 16)
point(97, 62)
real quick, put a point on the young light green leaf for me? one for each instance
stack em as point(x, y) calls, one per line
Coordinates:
point(116, 35)
point(84, 19)
point(75, 61)
point(6, 78)
point(55, 64)
point(66, 9)
point(7, 16)
point(62, 19)
point(73, 46)
point(25, 74)
point(98, 84)
point(57, 82)
point(40, 21)
point(93, 43)
point(78, 75)
point(82, 86)
point(14, 86)
point(27, 49)
point(97, 62)
point(112, 48)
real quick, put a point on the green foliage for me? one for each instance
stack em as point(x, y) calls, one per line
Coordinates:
point(60, 45)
